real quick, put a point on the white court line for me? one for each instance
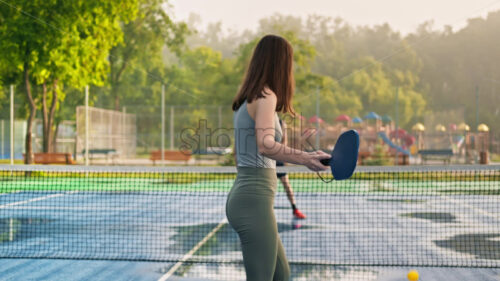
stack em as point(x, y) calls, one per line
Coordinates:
point(189, 254)
point(69, 208)
point(35, 199)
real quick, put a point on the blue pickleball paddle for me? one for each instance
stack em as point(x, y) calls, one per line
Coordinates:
point(344, 156)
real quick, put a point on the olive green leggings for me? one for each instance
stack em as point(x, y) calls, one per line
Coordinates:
point(249, 210)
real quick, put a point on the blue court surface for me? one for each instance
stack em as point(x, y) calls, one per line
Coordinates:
point(78, 234)
point(67, 270)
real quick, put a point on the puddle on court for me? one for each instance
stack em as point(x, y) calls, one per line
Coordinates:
point(223, 241)
point(187, 237)
point(321, 272)
point(482, 246)
point(409, 201)
point(434, 217)
point(12, 229)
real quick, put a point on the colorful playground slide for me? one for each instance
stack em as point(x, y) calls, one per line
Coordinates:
point(388, 141)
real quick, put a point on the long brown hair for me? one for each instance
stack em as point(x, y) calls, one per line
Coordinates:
point(270, 66)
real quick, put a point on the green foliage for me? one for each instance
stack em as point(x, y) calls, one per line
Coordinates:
point(136, 63)
point(68, 40)
point(128, 49)
point(455, 62)
point(224, 41)
point(59, 43)
point(344, 64)
point(495, 158)
point(380, 157)
point(209, 78)
point(229, 160)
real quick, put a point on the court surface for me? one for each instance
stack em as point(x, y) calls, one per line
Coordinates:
point(73, 233)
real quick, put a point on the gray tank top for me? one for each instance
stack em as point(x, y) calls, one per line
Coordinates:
point(247, 153)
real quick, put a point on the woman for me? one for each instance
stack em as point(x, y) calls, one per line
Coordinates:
point(267, 89)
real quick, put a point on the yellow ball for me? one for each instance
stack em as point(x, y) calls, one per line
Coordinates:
point(413, 275)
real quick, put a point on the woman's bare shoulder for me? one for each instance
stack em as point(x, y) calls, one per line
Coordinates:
point(268, 92)
point(268, 101)
point(269, 96)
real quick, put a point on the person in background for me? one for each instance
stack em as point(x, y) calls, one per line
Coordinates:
point(284, 178)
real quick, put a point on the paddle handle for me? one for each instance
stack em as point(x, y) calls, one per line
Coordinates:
point(325, 162)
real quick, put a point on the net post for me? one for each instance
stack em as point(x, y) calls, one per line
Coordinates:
point(12, 124)
point(162, 148)
point(86, 125)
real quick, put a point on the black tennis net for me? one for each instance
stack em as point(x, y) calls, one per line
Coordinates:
point(382, 216)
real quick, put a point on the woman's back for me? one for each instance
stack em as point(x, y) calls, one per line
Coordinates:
point(247, 152)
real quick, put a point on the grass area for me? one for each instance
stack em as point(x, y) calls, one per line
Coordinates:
point(400, 183)
point(495, 158)
point(16, 161)
point(114, 182)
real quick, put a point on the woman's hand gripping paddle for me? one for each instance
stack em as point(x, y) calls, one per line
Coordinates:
point(344, 156)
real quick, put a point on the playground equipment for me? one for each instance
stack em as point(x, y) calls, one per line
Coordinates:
point(380, 141)
point(440, 128)
point(392, 145)
point(483, 143)
point(316, 119)
point(357, 120)
point(419, 129)
point(343, 118)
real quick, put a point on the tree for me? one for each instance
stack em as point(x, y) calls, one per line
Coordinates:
point(59, 42)
point(141, 50)
point(223, 41)
point(455, 62)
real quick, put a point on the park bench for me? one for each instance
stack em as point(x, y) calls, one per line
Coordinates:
point(436, 154)
point(211, 155)
point(403, 159)
point(108, 153)
point(170, 155)
point(53, 158)
point(213, 151)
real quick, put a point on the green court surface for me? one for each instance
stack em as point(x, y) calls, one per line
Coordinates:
point(393, 182)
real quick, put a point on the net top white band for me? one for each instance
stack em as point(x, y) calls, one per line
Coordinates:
point(232, 169)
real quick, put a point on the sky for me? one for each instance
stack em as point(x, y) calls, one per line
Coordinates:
point(403, 15)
